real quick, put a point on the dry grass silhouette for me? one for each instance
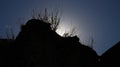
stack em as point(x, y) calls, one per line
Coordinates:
point(54, 18)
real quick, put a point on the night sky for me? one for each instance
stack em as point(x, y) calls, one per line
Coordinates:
point(99, 19)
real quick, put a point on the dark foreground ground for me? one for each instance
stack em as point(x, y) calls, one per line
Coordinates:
point(38, 46)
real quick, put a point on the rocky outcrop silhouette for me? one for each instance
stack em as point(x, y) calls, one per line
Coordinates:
point(38, 46)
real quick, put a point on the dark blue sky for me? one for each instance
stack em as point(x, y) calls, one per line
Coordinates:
point(99, 19)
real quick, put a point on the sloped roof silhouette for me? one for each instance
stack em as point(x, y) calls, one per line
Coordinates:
point(113, 50)
point(112, 56)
